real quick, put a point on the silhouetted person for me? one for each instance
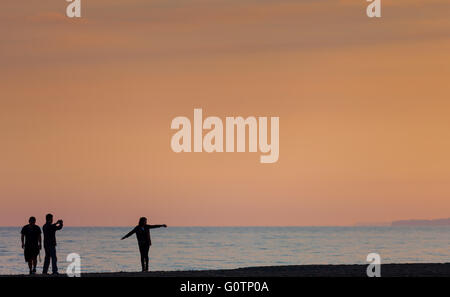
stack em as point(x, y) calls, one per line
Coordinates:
point(50, 242)
point(142, 231)
point(31, 243)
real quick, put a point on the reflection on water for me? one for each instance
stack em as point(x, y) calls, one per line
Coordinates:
point(194, 248)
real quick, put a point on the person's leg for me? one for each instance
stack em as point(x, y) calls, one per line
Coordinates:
point(54, 260)
point(34, 264)
point(142, 252)
point(30, 266)
point(147, 247)
point(28, 258)
point(46, 260)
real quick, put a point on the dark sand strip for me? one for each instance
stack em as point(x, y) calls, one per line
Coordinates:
point(387, 270)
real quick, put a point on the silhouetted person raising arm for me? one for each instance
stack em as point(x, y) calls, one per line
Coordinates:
point(31, 243)
point(142, 231)
point(50, 242)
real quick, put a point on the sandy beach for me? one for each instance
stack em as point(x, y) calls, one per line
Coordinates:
point(387, 270)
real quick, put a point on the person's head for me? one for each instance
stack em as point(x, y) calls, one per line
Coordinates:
point(32, 220)
point(142, 221)
point(49, 218)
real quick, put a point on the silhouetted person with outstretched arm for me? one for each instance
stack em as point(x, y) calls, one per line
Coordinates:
point(142, 231)
point(31, 243)
point(50, 242)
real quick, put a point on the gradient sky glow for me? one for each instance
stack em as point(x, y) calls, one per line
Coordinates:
point(86, 107)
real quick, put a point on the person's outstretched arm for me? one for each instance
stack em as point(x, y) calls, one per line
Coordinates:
point(157, 226)
point(21, 238)
point(129, 234)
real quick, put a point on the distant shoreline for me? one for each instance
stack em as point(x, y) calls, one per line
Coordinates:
point(432, 223)
point(352, 270)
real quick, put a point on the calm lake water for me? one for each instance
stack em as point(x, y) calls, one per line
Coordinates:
point(196, 248)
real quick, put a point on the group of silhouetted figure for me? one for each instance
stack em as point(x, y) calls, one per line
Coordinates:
point(32, 242)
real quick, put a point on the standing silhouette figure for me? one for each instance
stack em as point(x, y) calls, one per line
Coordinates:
point(50, 242)
point(31, 243)
point(142, 231)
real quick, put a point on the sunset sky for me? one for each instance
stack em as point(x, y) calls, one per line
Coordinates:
point(86, 106)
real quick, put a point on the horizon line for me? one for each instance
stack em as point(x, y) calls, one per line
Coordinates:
point(218, 226)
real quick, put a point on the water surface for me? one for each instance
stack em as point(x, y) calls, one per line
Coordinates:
point(195, 248)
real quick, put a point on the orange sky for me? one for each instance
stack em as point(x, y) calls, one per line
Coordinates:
point(86, 107)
